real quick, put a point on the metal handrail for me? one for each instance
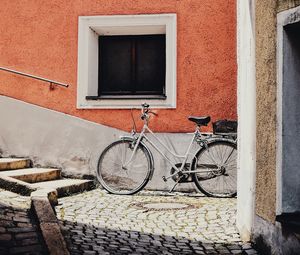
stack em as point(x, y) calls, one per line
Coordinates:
point(34, 77)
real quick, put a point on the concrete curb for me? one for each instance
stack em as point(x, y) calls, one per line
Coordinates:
point(42, 202)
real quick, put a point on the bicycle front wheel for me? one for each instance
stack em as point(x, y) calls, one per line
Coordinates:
point(216, 169)
point(122, 171)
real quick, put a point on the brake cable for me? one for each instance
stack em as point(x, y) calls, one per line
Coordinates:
point(133, 121)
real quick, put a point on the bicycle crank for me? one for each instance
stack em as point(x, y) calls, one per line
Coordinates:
point(181, 177)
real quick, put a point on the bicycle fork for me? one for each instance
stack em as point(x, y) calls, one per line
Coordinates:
point(136, 144)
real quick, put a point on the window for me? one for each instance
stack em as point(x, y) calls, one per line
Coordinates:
point(124, 60)
point(132, 66)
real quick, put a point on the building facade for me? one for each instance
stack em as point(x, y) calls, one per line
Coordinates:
point(53, 40)
point(188, 69)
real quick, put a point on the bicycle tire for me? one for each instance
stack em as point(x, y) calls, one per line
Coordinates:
point(219, 159)
point(120, 180)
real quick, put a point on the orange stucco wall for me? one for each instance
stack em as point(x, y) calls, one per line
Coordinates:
point(40, 37)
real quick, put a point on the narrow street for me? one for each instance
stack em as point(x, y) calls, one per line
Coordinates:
point(95, 222)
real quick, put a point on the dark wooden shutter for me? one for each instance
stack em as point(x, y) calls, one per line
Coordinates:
point(132, 65)
point(150, 64)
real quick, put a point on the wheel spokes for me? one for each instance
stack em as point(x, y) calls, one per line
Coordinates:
point(122, 172)
point(221, 180)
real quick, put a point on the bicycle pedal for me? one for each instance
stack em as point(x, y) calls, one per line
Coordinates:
point(164, 178)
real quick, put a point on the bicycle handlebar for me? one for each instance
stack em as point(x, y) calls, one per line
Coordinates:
point(146, 111)
point(145, 105)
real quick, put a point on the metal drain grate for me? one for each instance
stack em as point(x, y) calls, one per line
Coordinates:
point(163, 206)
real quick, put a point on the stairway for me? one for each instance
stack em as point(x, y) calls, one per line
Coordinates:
point(17, 175)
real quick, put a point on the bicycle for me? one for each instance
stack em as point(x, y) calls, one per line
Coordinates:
point(126, 166)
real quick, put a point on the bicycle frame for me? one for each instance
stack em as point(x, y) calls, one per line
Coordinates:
point(143, 135)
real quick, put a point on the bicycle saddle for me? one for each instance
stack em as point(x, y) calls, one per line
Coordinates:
point(200, 121)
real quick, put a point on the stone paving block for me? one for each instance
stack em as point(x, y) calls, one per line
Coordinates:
point(7, 223)
point(199, 252)
point(21, 230)
point(89, 252)
point(251, 252)
point(25, 235)
point(5, 217)
point(29, 241)
point(23, 219)
point(20, 250)
point(246, 246)
point(24, 225)
point(5, 237)
point(235, 251)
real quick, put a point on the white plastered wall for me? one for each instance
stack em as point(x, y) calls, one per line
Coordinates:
point(246, 117)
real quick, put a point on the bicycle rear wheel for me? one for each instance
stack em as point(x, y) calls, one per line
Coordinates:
point(119, 179)
point(217, 176)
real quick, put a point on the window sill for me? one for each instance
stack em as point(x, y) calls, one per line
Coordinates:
point(127, 102)
point(124, 97)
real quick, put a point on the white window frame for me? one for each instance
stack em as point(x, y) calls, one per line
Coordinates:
point(89, 30)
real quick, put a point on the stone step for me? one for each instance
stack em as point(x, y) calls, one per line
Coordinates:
point(65, 186)
point(14, 163)
point(33, 175)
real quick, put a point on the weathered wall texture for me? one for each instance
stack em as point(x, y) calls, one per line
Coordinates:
point(40, 38)
point(271, 237)
point(266, 82)
point(266, 108)
point(286, 4)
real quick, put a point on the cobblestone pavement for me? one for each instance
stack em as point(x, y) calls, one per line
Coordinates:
point(19, 230)
point(95, 222)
